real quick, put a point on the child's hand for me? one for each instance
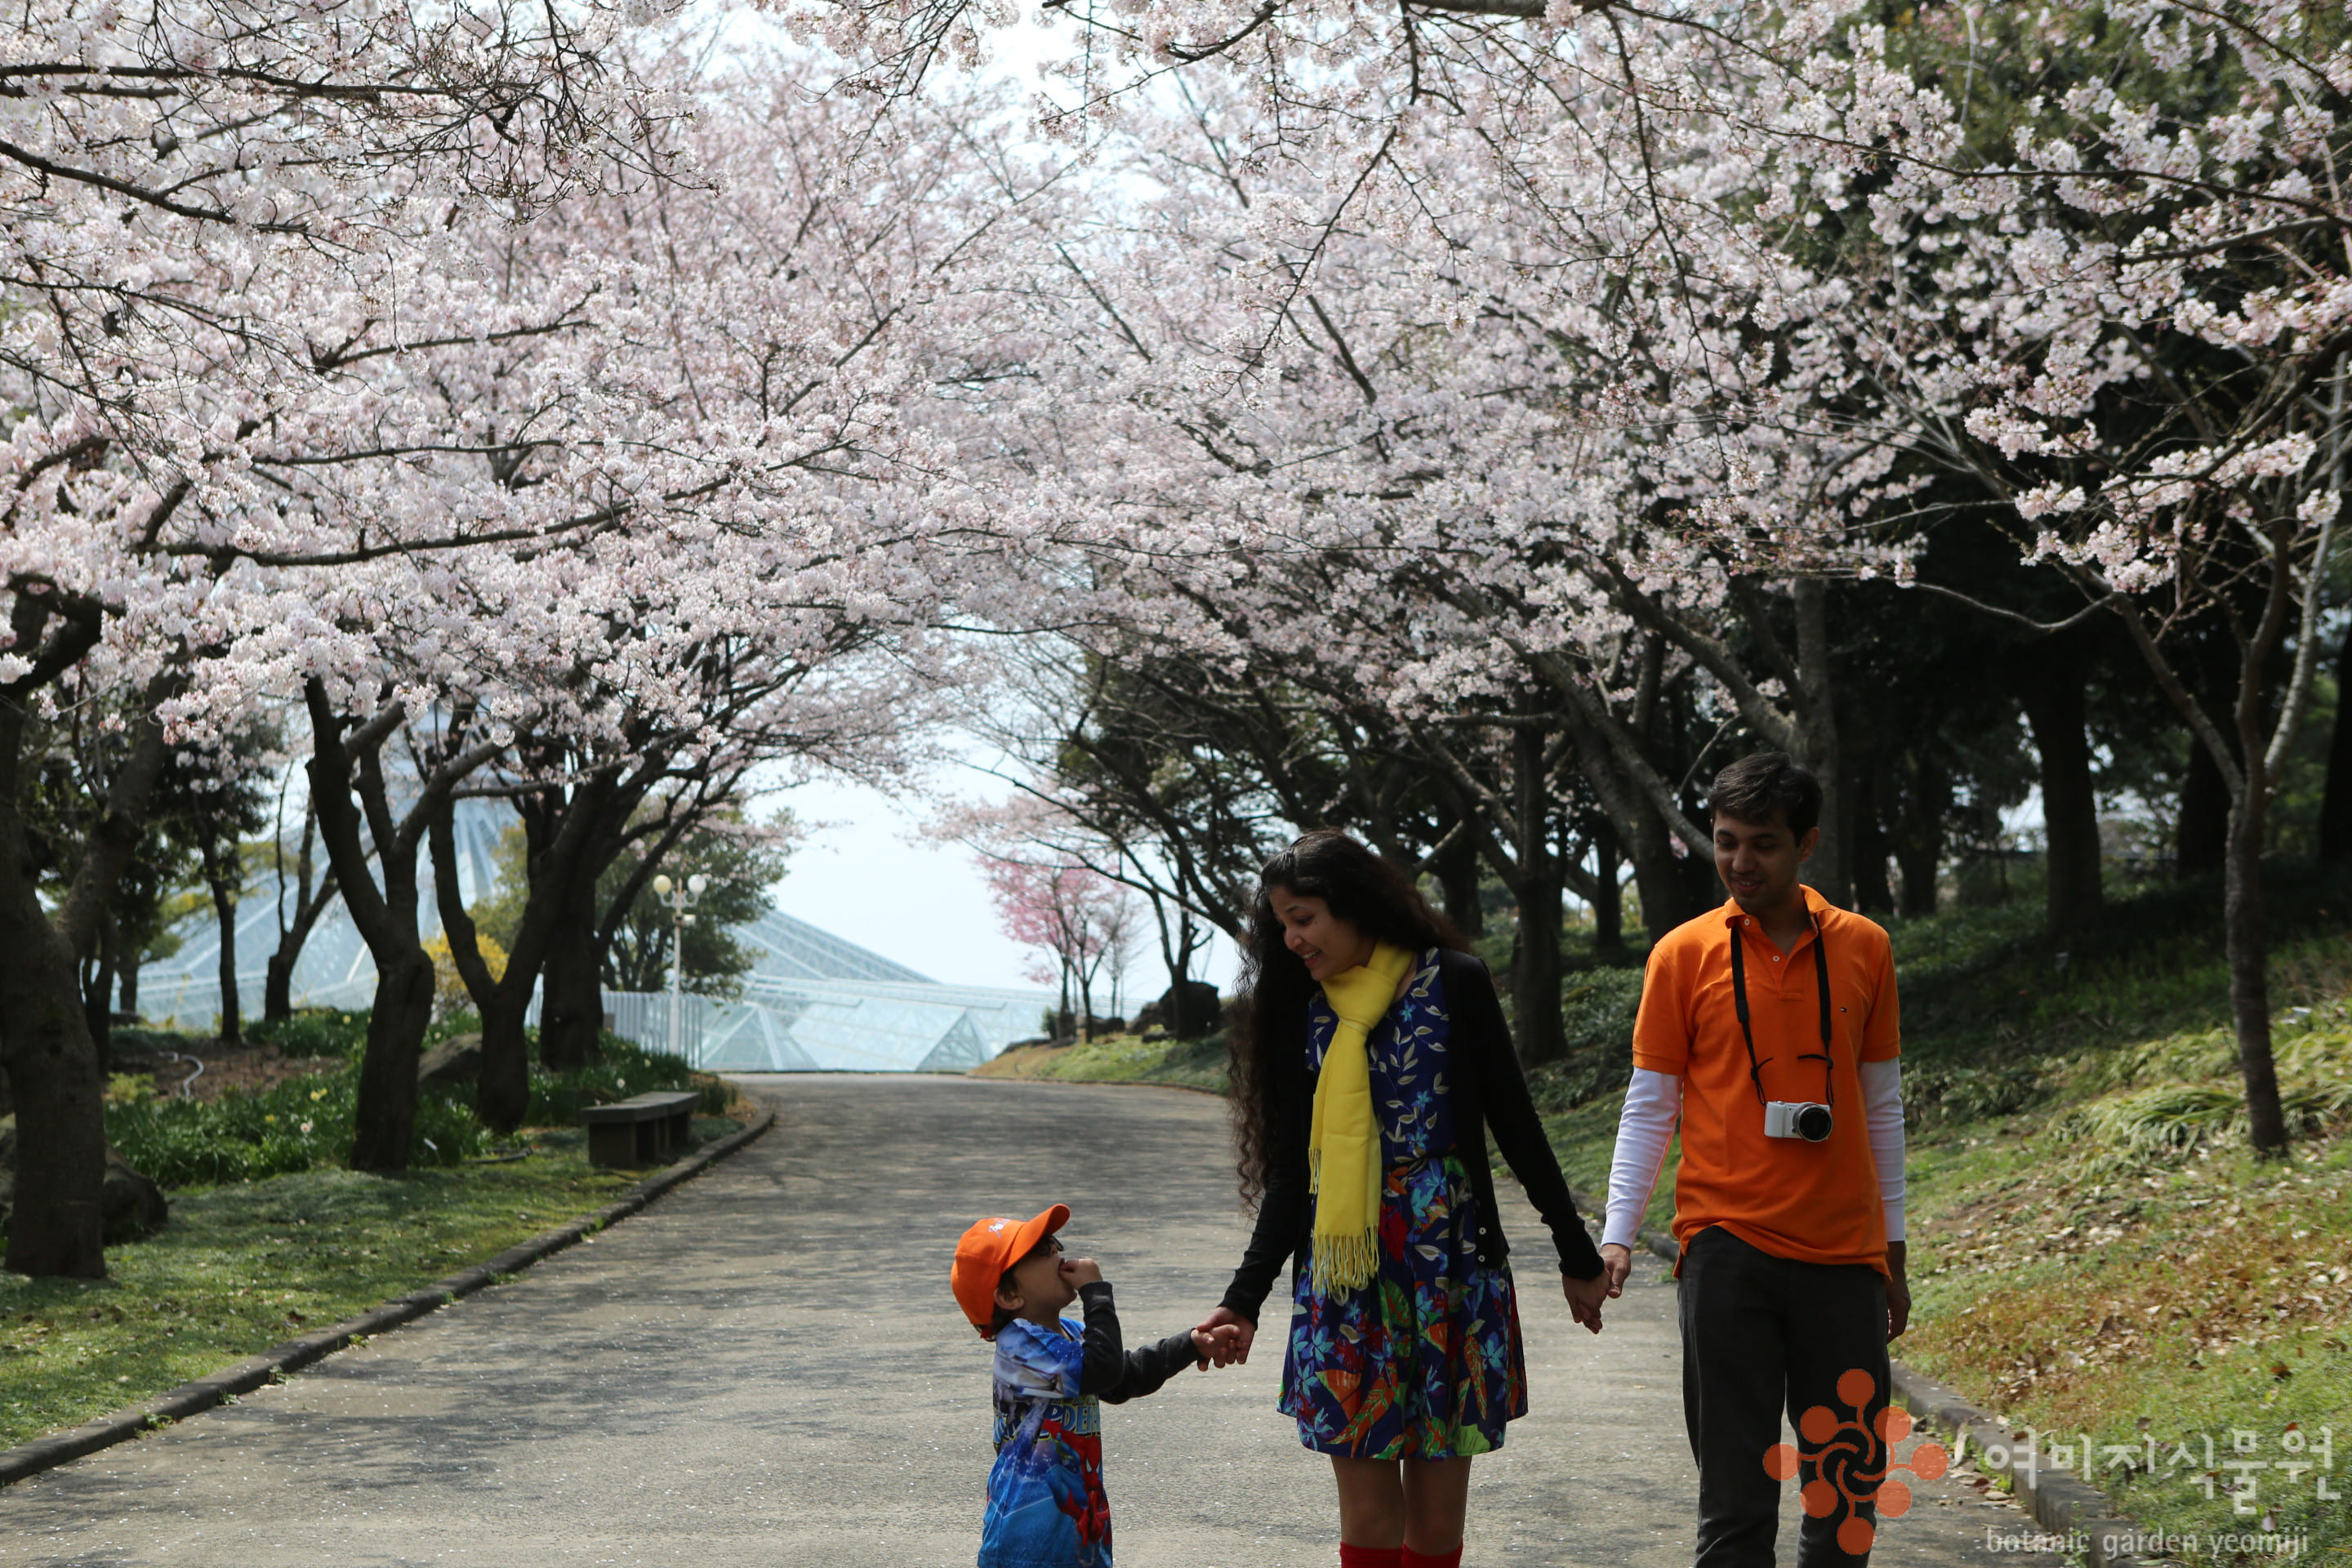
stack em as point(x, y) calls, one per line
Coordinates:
point(1081, 1271)
point(1215, 1345)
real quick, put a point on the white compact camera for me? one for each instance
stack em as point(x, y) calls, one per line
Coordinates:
point(1796, 1118)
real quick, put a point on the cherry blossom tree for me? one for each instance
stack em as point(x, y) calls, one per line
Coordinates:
point(1080, 921)
point(1657, 325)
point(212, 209)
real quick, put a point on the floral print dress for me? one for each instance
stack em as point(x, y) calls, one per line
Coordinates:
point(1424, 1360)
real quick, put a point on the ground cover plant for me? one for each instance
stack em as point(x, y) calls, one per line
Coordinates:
point(307, 1120)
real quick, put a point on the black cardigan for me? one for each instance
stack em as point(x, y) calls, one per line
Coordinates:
point(1489, 1090)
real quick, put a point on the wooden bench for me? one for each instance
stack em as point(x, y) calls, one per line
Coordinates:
point(639, 1129)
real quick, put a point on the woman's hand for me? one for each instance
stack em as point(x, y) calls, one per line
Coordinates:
point(1585, 1295)
point(1230, 1347)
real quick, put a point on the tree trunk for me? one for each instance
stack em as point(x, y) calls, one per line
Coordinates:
point(572, 996)
point(1181, 1022)
point(1873, 894)
point(98, 993)
point(232, 1024)
point(555, 869)
point(384, 1119)
point(1608, 894)
point(129, 981)
point(56, 1226)
point(2246, 939)
point(1535, 955)
point(1660, 880)
point(502, 1091)
point(1460, 881)
point(1919, 834)
point(277, 981)
point(2201, 842)
point(2070, 807)
point(1829, 871)
point(385, 1114)
point(2335, 799)
point(277, 984)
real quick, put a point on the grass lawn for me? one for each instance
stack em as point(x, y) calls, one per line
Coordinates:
point(1118, 1058)
point(244, 1266)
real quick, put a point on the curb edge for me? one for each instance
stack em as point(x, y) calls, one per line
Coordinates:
point(203, 1394)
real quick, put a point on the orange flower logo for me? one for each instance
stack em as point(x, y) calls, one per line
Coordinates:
point(1852, 1461)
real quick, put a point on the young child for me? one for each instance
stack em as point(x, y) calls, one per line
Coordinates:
point(1046, 1504)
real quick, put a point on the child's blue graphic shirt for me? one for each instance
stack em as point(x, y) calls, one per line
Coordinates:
point(1045, 1503)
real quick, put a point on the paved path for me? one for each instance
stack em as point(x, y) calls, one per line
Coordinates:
point(765, 1368)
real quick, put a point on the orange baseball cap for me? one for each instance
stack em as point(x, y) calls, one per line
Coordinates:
point(987, 1251)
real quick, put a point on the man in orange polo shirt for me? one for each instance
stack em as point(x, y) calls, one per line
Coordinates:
point(1769, 1027)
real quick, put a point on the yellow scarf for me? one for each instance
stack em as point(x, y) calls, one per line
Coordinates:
point(1344, 1145)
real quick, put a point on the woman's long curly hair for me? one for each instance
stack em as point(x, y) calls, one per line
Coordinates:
point(1269, 1014)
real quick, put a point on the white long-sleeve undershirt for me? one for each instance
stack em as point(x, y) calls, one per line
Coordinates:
point(1654, 1104)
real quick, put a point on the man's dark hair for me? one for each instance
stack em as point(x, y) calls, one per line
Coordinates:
point(1754, 787)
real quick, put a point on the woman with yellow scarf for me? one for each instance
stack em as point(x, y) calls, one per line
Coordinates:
point(1370, 1059)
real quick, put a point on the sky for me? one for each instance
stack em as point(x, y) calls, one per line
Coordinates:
point(865, 872)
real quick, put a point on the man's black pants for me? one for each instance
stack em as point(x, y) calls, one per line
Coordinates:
point(1760, 1334)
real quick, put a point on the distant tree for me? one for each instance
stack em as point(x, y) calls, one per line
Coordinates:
point(1079, 921)
point(220, 802)
point(742, 859)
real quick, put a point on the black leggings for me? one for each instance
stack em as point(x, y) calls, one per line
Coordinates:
point(1760, 1334)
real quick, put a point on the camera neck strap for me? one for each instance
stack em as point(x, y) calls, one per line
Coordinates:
point(1748, 1030)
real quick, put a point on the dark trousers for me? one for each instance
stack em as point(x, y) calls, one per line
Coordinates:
point(1762, 1334)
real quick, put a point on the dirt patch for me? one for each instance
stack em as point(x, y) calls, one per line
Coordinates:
point(1021, 1061)
point(247, 1069)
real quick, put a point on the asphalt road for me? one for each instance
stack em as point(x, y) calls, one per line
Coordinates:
point(766, 1368)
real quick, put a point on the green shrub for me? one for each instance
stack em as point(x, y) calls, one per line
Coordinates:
point(1596, 1014)
point(292, 1126)
point(624, 1068)
point(316, 1031)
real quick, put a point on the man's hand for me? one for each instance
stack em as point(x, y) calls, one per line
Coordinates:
point(1081, 1271)
point(1898, 1290)
point(1585, 1295)
point(1232, 1344)
point(1616, 1264)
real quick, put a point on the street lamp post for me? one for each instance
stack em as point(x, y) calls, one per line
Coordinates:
point(681, 901)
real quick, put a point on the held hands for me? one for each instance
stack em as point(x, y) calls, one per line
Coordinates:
point(1585, 1295)
point(1229, 1335)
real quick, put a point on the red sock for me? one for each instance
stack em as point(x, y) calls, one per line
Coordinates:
point(1371, 1556)
point(1409, 1557)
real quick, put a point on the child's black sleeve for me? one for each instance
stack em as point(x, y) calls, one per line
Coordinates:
point(1116, 1374)
point(1151, 1366)
point(1105, 1362)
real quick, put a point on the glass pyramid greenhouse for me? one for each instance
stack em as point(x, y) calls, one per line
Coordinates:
point(812, 1003)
